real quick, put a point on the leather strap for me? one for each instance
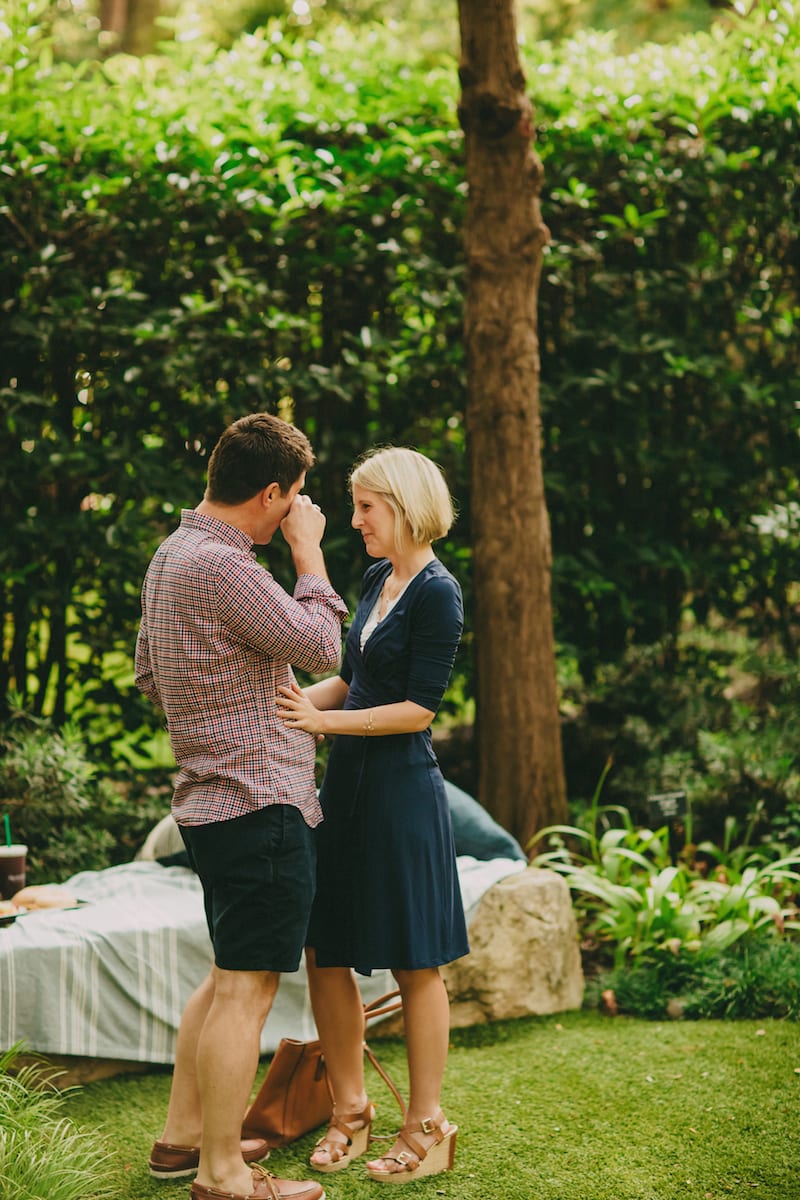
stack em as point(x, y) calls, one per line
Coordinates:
point(420, 1152)
point(267, 1177)
point(340, 1123)
point(387, 1079)
point(261, 1179)
point(384, 1005)
point(380, 1007)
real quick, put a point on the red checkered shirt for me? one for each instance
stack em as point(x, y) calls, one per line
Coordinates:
point(216, 640)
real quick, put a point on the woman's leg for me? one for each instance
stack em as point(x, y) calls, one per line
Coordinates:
point(426, 1013)
point(339, 1016)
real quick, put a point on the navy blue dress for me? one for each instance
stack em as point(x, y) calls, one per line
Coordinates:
point(387, 884)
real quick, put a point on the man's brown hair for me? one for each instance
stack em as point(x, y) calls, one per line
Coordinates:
point(254, 452)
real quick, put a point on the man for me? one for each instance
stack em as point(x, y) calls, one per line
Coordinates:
point(217, 637)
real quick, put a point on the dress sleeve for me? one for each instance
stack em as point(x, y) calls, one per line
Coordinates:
point(436, 625)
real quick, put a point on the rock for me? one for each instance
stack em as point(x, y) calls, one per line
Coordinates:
point(524, 958)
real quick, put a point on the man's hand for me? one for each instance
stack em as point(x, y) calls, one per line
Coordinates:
point(304, 524)
point(303, 527)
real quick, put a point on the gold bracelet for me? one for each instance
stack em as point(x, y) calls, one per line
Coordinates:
point(369, 727)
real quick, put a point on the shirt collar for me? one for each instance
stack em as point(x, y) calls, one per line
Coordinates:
point(192, 519)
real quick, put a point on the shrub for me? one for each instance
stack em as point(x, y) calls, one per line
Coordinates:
point(70, 816)
point(713, 713)
point(188, 237)
point(753, 979)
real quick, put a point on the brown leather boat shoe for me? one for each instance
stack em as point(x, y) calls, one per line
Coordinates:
point(179, 1162)
point(265, 1187)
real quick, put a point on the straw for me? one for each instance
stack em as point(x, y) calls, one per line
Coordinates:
point(7, 825)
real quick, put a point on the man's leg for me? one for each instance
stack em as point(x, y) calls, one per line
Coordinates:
point(257, 873)
point(184, 1114)
point(227, 1058)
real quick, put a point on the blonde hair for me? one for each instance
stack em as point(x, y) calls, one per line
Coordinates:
point(413, 486)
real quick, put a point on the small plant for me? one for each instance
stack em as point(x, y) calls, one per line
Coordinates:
point(43, 1153)
point(634, 903)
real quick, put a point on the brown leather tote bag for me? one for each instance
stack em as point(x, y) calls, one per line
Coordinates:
point(296, 1094)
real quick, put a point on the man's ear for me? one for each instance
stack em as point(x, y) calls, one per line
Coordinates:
point(270, 494)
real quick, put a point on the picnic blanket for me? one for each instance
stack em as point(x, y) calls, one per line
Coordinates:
point(110, 978)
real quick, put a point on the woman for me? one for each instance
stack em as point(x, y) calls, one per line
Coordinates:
point(387, 885)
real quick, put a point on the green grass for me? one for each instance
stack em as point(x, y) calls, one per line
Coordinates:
point(574, 1107)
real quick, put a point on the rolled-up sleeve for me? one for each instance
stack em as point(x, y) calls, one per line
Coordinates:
point(143, 668)
point(304, 629)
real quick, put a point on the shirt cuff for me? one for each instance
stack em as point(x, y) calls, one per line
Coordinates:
point(313, 587)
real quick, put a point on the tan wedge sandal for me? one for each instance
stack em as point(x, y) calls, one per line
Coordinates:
point(355, 1145)
point(417, 1161)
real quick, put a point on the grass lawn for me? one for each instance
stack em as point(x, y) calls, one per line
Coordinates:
point(577, 1106)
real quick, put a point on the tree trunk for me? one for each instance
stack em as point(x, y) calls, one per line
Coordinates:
point(521, 771)
point(132, 24)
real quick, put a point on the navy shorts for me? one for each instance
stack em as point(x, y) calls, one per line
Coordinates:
point(258, 877)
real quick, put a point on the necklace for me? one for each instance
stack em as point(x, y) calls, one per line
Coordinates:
point(388, 596)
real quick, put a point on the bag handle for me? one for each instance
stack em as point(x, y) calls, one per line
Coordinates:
point(380, 1007)
point(391, 1002)
point(387, 1079)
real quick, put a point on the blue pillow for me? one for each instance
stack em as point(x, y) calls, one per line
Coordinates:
point(475, 832)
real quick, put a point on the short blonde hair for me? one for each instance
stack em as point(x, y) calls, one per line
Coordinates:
point(413, 486)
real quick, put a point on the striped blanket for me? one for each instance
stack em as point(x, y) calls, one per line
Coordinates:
point(110, 978)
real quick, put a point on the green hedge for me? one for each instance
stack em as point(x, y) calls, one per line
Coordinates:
point(188, 238)
point(669, 311)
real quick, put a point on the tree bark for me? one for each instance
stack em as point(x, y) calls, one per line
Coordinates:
point(521, 771)
point(132, 23)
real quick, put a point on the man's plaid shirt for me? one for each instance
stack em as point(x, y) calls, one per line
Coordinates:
point(216, 640)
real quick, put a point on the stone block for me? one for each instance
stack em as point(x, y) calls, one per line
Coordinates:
point(524, 955)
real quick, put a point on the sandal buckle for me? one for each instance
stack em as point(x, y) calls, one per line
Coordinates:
point(427, 1125)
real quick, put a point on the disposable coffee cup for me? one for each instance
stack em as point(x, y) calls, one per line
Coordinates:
point(12, 870)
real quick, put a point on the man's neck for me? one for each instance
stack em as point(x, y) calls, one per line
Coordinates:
point(236, 515)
